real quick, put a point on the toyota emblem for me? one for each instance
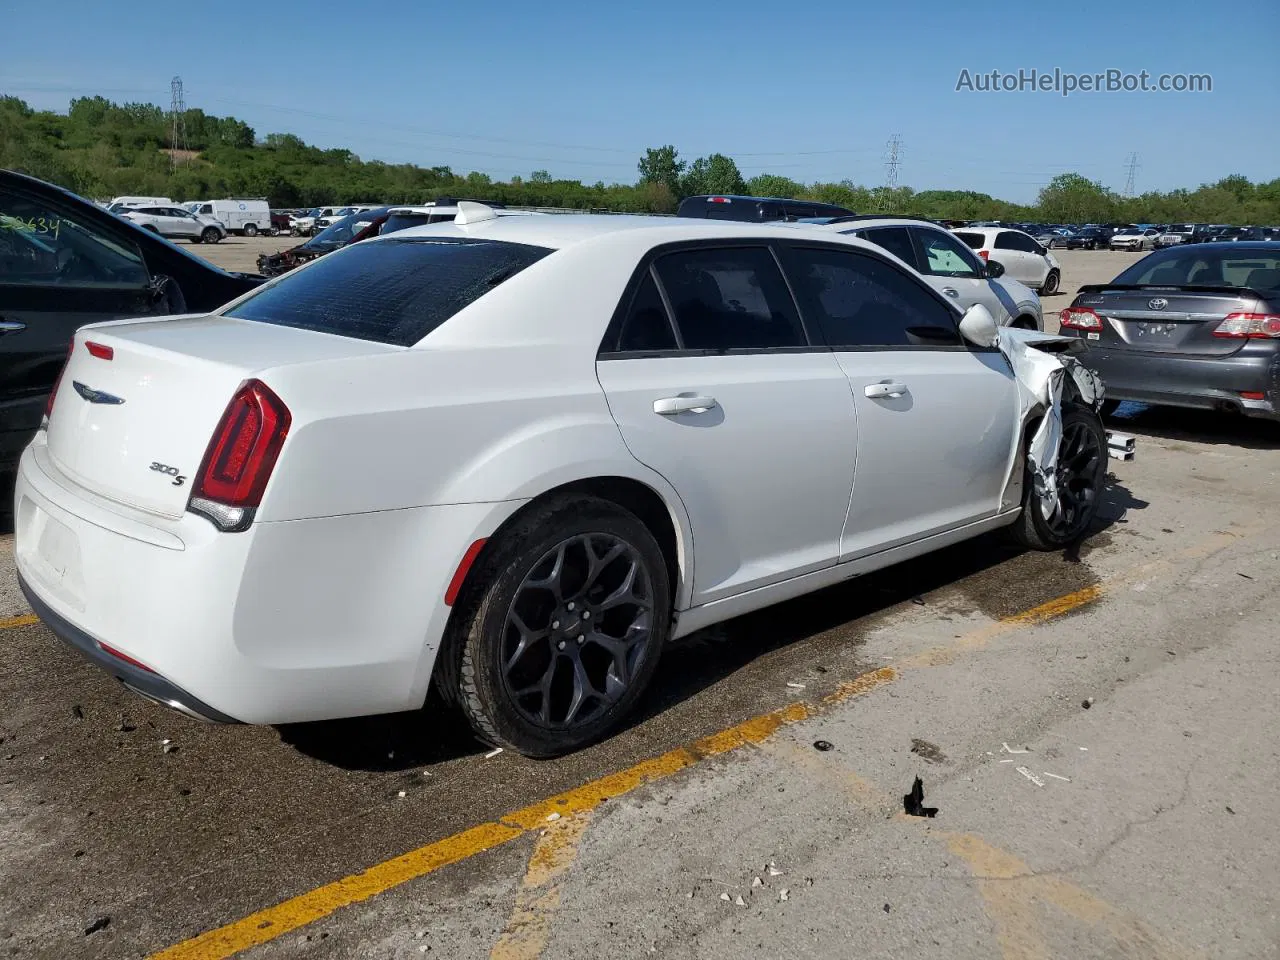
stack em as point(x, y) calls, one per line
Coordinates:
point(1159, 303)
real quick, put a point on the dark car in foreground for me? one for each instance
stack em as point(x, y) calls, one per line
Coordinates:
point(64, 263)
point(1189, 326)
point(350, 229)
point(756, 209)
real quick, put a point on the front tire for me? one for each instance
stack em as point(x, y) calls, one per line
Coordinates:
point(562, 631)
point(210, 235)
point(1050, 285)
point(1082, 467)
point(250, 229)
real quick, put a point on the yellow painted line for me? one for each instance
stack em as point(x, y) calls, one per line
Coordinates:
point(529, 928)
point(272, 922)
point(275, 921)
point(25, 620)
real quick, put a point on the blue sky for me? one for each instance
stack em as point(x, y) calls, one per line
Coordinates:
point(811, 90)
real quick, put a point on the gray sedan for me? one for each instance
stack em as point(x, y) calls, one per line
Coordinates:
point(1195, 326)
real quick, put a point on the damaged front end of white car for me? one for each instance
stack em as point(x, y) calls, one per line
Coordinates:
point(1048, 373)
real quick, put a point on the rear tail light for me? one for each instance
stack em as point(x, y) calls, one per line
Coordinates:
point(240, 458)
point(1252, 395)
point(1249, 326)
point(984, 254)
point(1079, 318)
point(53, 394)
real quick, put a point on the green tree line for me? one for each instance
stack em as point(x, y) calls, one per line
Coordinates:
point(102, 149)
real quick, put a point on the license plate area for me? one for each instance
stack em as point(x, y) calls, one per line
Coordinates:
point(51, 553)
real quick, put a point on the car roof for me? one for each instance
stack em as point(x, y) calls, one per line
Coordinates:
point(845, 224)
point(559, 232)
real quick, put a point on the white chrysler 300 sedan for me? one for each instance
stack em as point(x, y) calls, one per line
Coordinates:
point(516, 457)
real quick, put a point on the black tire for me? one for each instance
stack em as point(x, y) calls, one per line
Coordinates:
point(210, 235)
point(250, 229)
point(153, 228)
point(1050, 285)
point(274, 231)
point(488, 642)
point(1032, 530)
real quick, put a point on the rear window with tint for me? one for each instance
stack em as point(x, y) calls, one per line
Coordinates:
point(975, 241)
point(1213, 268)
point(390, 291)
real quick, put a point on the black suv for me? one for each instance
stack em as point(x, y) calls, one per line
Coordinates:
point(756, 209)
point(66, 262)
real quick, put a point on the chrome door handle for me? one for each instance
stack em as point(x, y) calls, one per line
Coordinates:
point(951, 291)
point(11, 326)
point(885, 388)
point(669, 406)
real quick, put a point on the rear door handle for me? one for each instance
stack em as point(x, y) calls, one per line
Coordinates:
point(670, 406)
point(951, 291)
point(11, 326)
point(885, 388)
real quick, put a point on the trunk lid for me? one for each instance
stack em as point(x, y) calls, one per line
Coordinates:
point(1154, 320)
point(134, 428)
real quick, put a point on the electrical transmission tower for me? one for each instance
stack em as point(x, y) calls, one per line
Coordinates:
point(177, 119)
point(1131, 166)
point(892, 161)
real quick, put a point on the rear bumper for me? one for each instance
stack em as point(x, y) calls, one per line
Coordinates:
point(1198, 382)
point(144, 682)
point(286, 622)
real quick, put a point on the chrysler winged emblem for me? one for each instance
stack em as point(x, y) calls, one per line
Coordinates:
point(1159, 303)
point(96, 396)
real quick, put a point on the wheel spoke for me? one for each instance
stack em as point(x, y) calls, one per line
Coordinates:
point(625, 591)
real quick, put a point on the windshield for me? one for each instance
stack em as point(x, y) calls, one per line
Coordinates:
point(1254, 270)
point(339, 234)
point(392, 291)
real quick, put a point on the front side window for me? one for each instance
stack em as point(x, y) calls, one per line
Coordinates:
point(392, 291)
point(730, 299)
point(894, 239)
point(945, 256)
point(860, 301)
point(41, 245)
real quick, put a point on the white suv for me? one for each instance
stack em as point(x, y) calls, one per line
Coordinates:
point(948, 266)
point(176, 223)
point(1023, 257)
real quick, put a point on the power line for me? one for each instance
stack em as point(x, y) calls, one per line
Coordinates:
point(1131, 169)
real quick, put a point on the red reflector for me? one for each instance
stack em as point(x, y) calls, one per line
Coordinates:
point(460, 575)
point(1252, 395)
point(99, 350)
point(984, 254)
point(244, 448)
point(124, 656)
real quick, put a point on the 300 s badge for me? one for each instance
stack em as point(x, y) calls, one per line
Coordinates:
point(178, 479)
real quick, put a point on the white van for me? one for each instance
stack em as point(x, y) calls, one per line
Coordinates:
point(247, 215)
point(124, 203)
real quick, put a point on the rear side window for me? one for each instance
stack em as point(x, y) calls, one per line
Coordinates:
point(894, 239)
point(730, 299)
point(860, 301)
point(974, 241)
point(393, 291)
point(646, 325)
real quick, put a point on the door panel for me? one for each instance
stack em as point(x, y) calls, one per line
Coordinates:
point(765, 473)
point(935, 457)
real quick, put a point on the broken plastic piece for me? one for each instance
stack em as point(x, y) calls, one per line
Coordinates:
point(774, 871)
point(1056, 777)
point(1009, 749)
point(493, 753)
point(1030, 776)
point(725, 897)
point(739, 901)
point(784, 895)
point(795, 686)
point(913, 802)
point(757, 882)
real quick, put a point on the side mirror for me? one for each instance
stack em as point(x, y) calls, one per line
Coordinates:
point(995, 269)
point(979, 327)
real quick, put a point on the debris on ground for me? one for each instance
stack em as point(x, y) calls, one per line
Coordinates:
point(757, 882)
point(739, 901)
point(1030, 776)
point(1009, 749)
point(493, 753)
point(822, 745)
point(99, 923)
point(553, 817)
point(1087, 702)
point(913, 802)
point(784, 895)
point(1230, 811)
point(773, 869)
point(795, 686)
point(927, 751)
point(725, 897)
point(1056, 777)
point(402, 794)
point(168, 746)
point(77, 711)
point(886, 908)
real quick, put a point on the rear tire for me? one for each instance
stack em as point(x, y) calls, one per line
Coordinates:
point(210, 235)
point(1082, 467)
point(1050, 285)
point(561, 626)
point(250, 229)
